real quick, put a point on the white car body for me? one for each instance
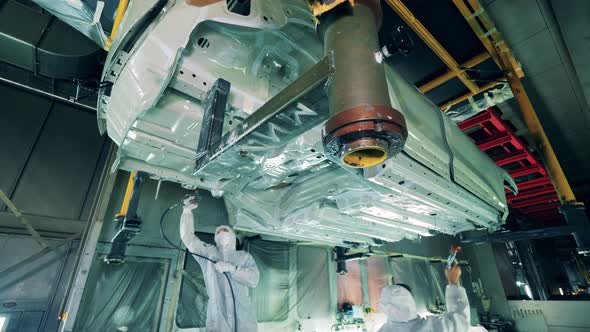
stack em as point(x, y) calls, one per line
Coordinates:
point(441, 182)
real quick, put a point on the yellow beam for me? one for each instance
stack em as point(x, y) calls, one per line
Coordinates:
point(562, 186)
point(508, 62)
point(490, 38)
point(432, 43)
point(121, 9)
point(319, 8)
point(472, 21)
point(476, 60)
point(128, 192)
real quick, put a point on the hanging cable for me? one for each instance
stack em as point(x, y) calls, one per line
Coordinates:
point(226, 274)
point(100, 86)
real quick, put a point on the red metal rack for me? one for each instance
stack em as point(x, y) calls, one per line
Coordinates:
point(537, 198)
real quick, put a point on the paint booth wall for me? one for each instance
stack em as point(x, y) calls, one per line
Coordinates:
point(33, 282)
point(299, 286)
point(52, 155)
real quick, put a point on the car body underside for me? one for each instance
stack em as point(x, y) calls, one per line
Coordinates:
point(270, 164)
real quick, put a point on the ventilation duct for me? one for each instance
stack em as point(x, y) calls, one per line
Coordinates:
point(45, 45)
point(84, 16)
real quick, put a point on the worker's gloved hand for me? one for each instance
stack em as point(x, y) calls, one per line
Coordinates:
point(189, 203)
point(454, 274)
point(223, 267)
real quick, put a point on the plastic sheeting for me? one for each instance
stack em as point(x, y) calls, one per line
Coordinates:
point(378, 276)
point(349, 285)
point(313, 283)
point(294, 283)
point(294, 288)
point(417, 274)
point(125, 297)
point(192, 306)
point(490, 98)
point(78, 15)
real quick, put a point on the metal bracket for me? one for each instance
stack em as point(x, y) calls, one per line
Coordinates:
point(212, 129)
point(128, 225)
point(296, 109)
point(575, 215)
point(341, 258)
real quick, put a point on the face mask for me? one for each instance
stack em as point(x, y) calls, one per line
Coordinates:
point(224, 239)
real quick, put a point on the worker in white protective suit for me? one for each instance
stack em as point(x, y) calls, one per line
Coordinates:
point(237, 264)
point(397, 302)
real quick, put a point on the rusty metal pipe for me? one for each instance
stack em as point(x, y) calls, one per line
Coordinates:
point(364, 130)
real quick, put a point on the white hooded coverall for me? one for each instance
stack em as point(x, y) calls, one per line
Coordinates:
point(220, 308)
point(399, 306)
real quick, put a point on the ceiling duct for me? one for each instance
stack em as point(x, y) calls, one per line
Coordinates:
point(45, 45)
point(84, 16)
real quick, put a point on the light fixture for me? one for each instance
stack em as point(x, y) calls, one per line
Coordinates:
point(528, 292)
point(560, 291)
point(2, 321)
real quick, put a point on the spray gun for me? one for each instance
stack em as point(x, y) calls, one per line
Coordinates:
point(452, 256)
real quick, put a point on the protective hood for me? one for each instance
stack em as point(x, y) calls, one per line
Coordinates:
point(398, 304)
point(225, 240)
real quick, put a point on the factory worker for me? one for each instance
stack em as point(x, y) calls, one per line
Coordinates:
point(237, 264)
point(397, 302)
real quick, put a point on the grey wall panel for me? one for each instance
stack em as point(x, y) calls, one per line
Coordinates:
point(535, 62)
point(21, 117)
point(574, 28)
point(550, 39)
point(522, 16)
point(35, 286)
point(564, 120)
point(30, 282)
point(91, 192)
point(60, 169)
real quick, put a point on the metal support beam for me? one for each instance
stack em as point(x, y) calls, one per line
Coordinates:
point(530, 234)
point(531, 269)
point(530, 194)
point(297, 108)
point(119, 14)
point(85, 256)
point(540, 139)
point(522, 171)
point(524, 185)
point(476, 60)
point(23, 220)
point(540, 208)
point(129, 223)
point(491, 39)
point(432, 43)
point(214, 107)
point(575, 216)
point(494, 141)
point(493, 42)
point(510, 158)
point(47, 94)
point(531, 202)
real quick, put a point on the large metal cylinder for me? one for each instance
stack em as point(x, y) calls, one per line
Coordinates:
point(363, 130)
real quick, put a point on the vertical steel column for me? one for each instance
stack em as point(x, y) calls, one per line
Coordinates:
point(88, 244)
point(531, 269)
